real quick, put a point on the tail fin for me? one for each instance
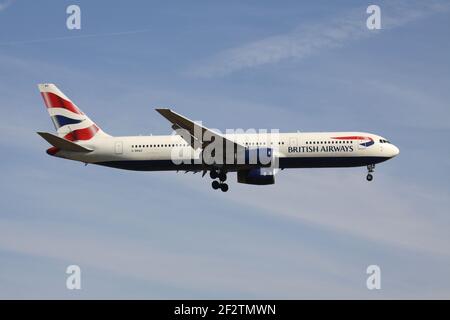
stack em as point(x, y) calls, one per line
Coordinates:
point(69, 121)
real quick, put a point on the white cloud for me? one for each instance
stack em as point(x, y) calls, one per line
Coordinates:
point(143, 261)
point(307, 40)
point(5, 4)
point(386, 211)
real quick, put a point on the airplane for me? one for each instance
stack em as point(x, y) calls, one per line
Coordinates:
point(256, 157)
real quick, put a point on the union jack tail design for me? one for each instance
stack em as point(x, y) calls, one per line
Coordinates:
point(69, 121)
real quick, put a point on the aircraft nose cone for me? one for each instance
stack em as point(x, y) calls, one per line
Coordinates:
point(395, 151)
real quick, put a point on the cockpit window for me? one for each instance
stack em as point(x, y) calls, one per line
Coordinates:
point(384, 141)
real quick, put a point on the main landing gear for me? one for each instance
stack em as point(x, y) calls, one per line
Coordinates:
point(370, 170)
point(222, 178)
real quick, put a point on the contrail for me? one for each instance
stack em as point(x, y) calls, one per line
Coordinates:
point(74, 37)
point(309, 39)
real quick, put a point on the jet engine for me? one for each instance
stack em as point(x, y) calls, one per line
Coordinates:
point(256, 176)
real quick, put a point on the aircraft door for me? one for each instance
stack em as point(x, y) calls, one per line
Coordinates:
point(118, 147)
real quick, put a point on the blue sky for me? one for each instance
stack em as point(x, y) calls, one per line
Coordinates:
point(295, 65)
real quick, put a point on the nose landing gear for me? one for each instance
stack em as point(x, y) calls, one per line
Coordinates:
point(222, 175)
point(370, 170)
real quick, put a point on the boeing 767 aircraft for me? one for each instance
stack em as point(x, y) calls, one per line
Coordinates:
point(254, 156)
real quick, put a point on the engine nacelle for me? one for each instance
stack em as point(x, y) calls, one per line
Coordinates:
point(255, 157)
point(257, 176)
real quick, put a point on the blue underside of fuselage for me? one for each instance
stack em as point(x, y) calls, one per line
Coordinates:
point(284, 163)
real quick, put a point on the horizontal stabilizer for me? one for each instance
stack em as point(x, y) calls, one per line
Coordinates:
point(62, 144)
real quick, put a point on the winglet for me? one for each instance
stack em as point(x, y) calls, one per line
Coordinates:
point(62, 144)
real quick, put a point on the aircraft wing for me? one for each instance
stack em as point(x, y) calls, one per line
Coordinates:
point(197, 132)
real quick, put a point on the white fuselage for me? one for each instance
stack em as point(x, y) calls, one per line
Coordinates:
point(293, 150)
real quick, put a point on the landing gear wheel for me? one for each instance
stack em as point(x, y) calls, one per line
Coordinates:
point(222, 176)
point(213, 174)
point(370, 170)
point(224, 187)
point(215, 185)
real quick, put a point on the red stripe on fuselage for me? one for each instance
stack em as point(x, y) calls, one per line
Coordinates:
point(352, 138)
point(53, 101)
point(82, 134)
